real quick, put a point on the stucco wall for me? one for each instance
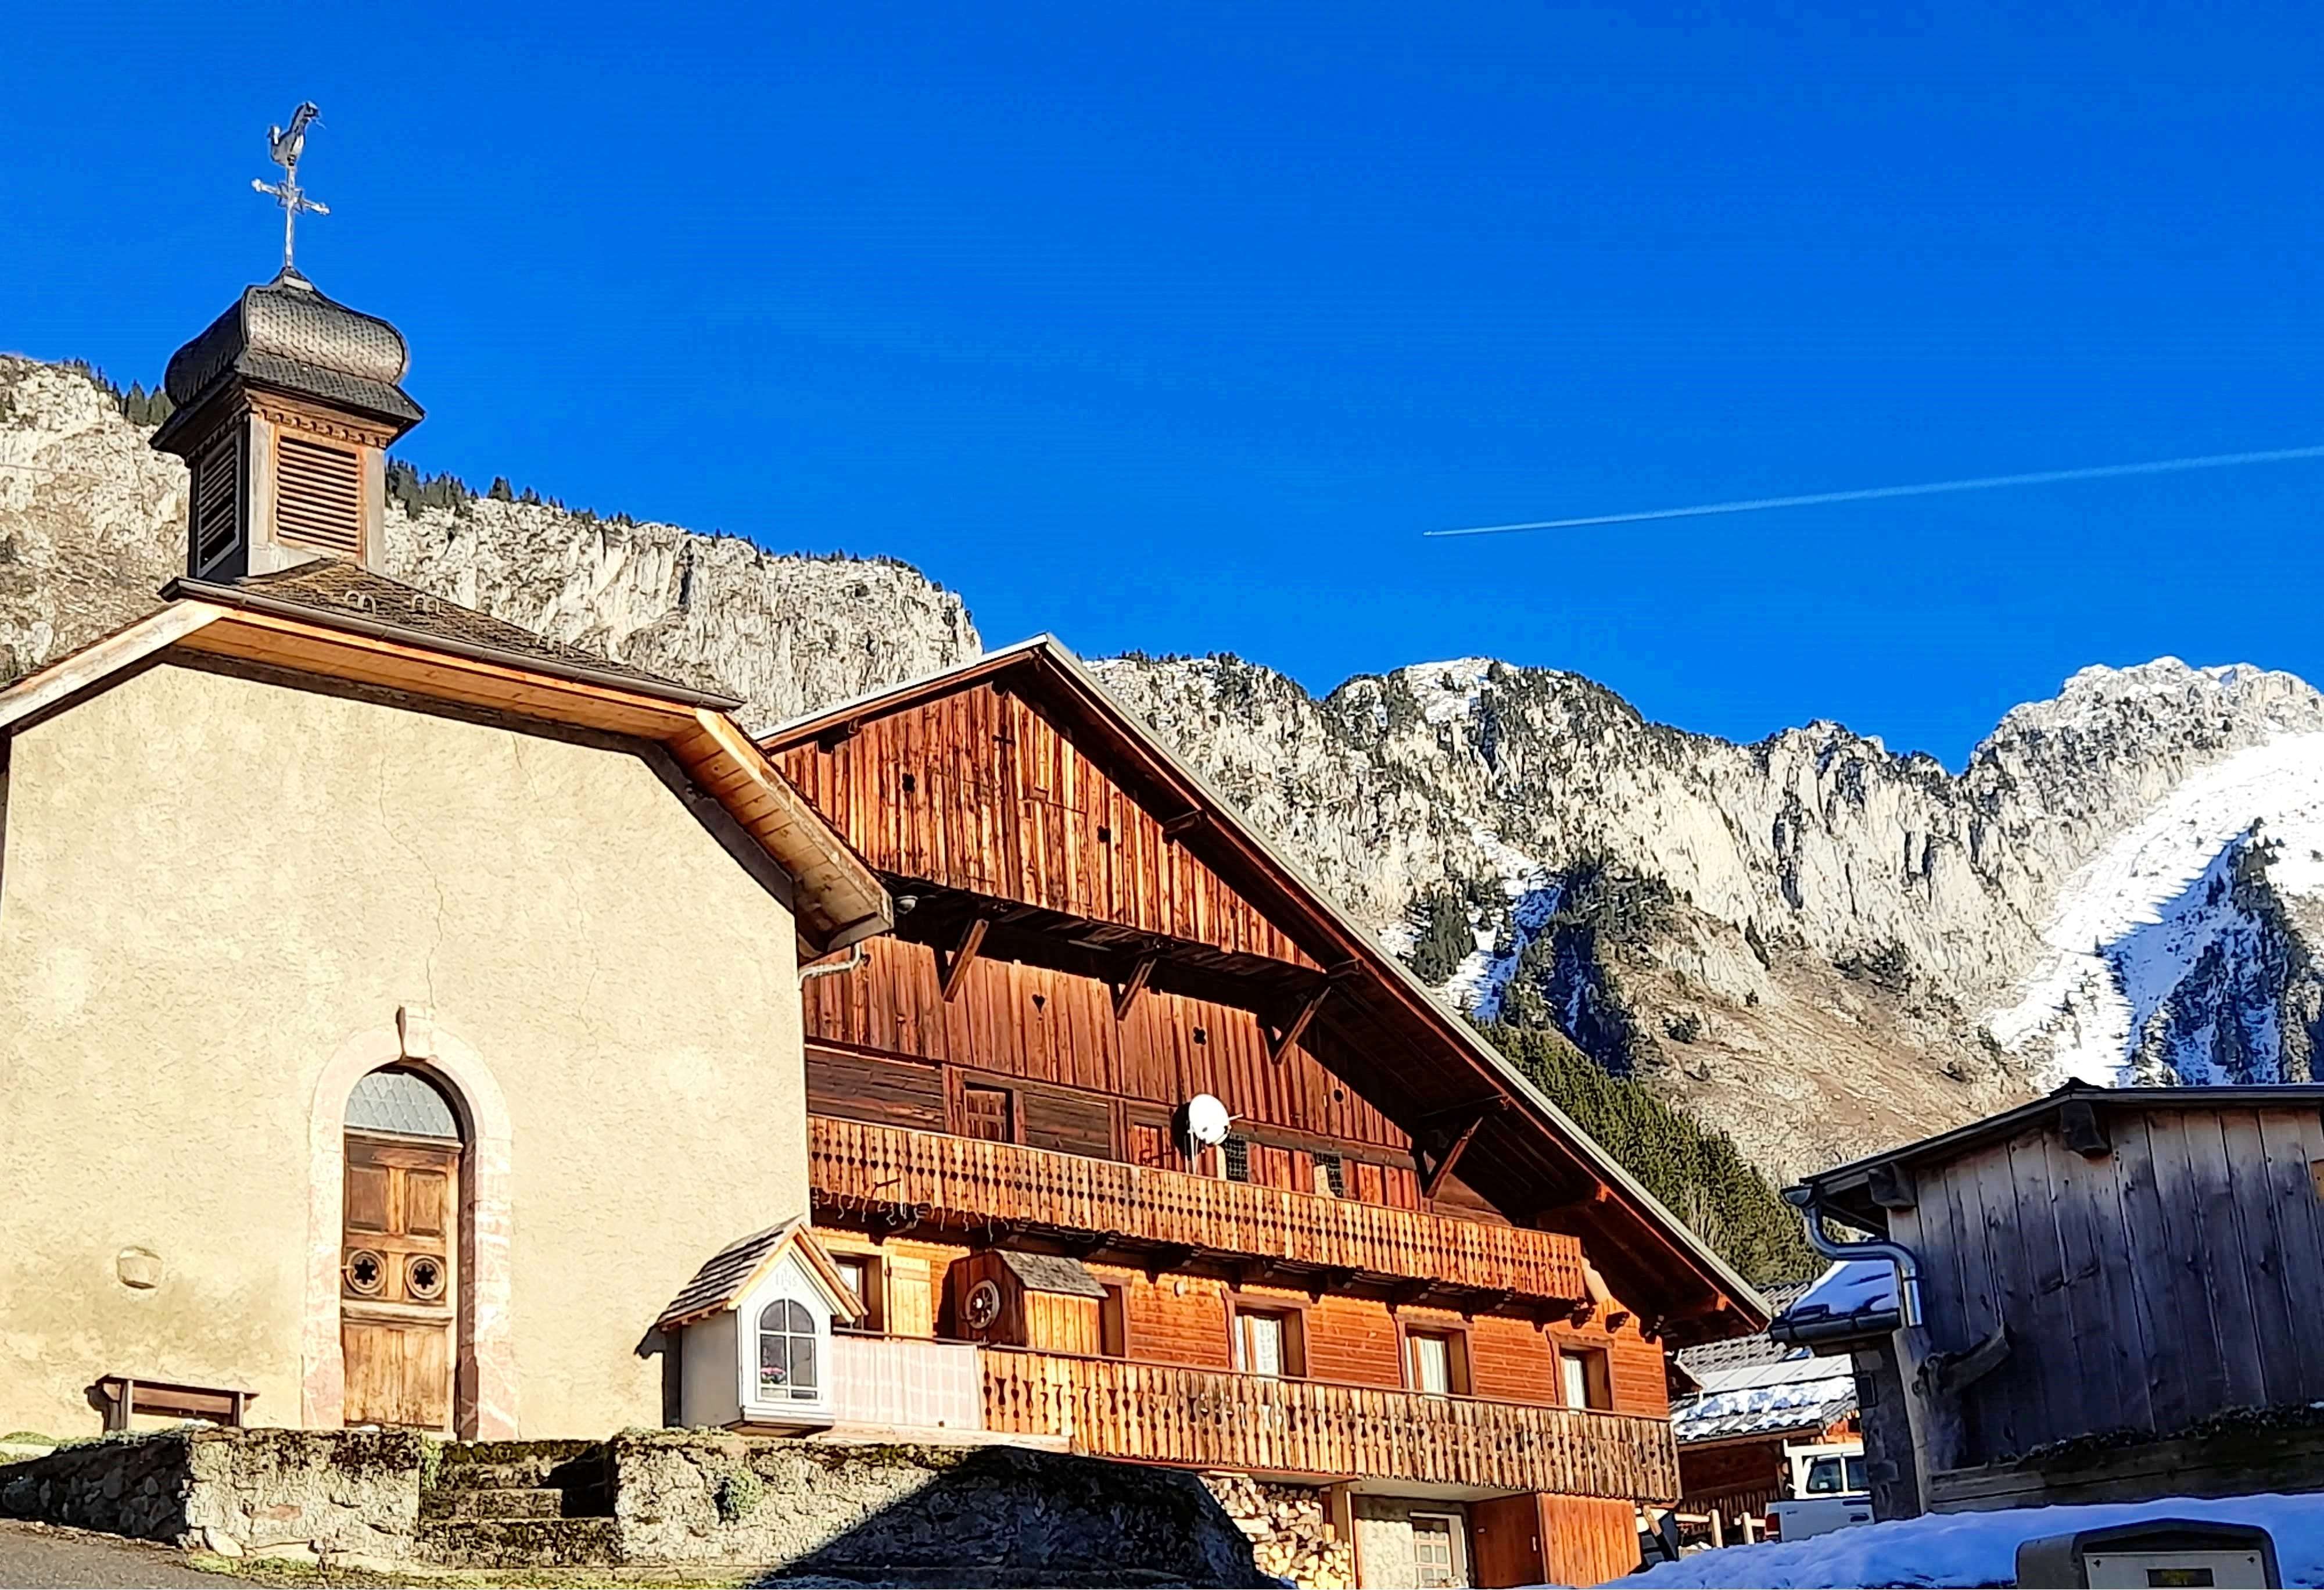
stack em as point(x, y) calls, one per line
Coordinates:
point(209, 885)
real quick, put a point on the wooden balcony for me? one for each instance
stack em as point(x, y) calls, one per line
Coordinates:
point(962, 1182)
point(1210, 1419)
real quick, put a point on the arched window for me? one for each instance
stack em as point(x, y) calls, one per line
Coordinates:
point(402, 1102)
point(786, 1352)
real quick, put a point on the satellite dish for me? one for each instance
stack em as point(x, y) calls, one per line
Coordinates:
point(1207, 1121)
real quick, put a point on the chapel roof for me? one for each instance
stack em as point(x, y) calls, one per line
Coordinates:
point(338, 591)
point(285, 334)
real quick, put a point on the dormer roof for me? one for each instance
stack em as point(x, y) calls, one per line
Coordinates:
point(727, 1276)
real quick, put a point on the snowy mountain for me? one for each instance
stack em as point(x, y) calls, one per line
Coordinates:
point(1813, 942)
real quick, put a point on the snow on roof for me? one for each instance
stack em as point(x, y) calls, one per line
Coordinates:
point(1851, 1286)
point(1971, 1548)
point(1795, 1392)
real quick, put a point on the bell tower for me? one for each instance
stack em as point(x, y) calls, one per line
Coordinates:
point(285, 409)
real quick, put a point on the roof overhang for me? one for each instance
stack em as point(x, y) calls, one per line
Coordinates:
point(836, 899)
point(1707, 1298)
point(1861, 1191)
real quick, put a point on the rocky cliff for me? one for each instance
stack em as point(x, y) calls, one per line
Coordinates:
point(1811, 941)
point(91, 524)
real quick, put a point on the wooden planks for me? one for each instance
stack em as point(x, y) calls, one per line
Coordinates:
point(2144, 1289)
point(1022, 1020)
point(966, 1182)
point(977, 790)
point(1208, 1418)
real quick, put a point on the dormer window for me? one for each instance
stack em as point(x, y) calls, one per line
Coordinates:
point(787, 1353)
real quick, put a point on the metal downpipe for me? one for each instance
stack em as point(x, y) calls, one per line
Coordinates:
point(1907, 1263)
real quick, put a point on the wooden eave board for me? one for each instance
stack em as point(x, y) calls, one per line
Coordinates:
point(264, 638)
point(1386, 1038)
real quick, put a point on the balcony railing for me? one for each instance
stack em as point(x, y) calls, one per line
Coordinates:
point(1210, 1419)
point(968, 1181)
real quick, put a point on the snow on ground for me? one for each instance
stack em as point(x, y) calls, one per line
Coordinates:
point(1979, 1548)
point(2129, 925)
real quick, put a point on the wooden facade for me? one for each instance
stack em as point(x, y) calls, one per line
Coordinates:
point(2125, 1262)
point(1390, 1272)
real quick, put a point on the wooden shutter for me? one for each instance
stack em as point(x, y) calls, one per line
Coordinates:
point(988, 1113)
point(318, 494)
point(1150, 1144)
point(217, 506)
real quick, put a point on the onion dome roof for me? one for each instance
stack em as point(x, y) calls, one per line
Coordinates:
point(288, 336)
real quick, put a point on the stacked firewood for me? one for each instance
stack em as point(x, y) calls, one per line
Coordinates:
point(1290, 1530)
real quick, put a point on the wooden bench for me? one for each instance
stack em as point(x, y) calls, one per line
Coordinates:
point(125, 1396)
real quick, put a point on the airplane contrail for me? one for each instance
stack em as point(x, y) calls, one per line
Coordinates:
point(1928, 488)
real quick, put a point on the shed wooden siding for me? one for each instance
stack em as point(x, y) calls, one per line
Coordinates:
point(1026, 1022)
point(1002, 804)
point(2179, 1275)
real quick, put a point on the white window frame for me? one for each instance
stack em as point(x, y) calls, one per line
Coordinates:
point(787, 1281)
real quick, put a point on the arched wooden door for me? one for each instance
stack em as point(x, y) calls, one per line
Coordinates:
point(399, 1282)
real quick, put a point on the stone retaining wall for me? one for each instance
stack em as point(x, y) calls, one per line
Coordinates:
point(352, 1491)
point(980, 1515)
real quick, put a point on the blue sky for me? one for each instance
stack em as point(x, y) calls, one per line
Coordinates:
point(1173, 326)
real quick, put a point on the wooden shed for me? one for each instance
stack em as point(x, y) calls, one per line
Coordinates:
point(2144, 1265)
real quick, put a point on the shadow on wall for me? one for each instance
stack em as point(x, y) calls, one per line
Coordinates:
point(974, 1516)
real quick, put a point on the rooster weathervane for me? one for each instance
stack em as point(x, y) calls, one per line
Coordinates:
point(285, 145)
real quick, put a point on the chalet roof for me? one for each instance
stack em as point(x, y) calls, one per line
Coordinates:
point(327, 622)
point(338, 591)
point(734, 1270)
point(1780, 1396)
point(1536, 1143)
point(1846, 1189)
point(1052, 1272)
point(1741, 1351)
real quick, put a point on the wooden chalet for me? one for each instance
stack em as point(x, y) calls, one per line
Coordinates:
point(2106, 1295)
point(1402, 1280)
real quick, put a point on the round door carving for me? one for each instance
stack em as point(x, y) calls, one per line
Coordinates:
point(366, 1272)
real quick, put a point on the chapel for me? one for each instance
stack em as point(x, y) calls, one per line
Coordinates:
point(396, 1006)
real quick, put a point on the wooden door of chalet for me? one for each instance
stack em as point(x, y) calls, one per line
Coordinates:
point(398, 1287)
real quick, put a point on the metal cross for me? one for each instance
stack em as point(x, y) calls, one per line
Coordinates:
point(285, 146)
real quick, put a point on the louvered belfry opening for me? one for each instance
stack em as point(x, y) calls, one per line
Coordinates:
point(318, 495)
point(215, 513)
point(285, 407)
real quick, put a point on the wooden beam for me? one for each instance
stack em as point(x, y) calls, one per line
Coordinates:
point(1185, 822)
point(1432, 1176)
point(2081, 1130)
point(1891, 1185)
point(954, 966)
point(45, 688)
point(1278, 1044)
point(1126, 994)
point(1169, 1256)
